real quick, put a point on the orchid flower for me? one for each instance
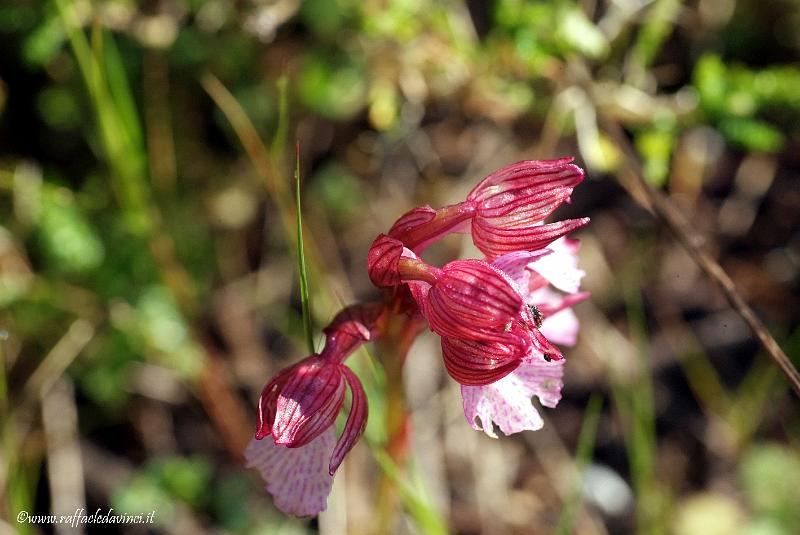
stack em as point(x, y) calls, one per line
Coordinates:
point(298, 410)
point(507, 402)
point(498, 318)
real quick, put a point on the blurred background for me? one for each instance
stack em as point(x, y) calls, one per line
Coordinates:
point(148, 283)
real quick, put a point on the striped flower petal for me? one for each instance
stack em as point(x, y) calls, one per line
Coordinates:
point(494, 240)
point(472, 300)
point(308, 402)
point(473, 362)
point(351, 327)
point(356, 421)
point(384, 254)
point(512, 203)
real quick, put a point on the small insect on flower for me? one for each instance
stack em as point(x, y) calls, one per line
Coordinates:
point(538, 317)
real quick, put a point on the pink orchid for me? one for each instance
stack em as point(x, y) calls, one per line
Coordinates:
point(505, 212)
point(298, 409)
point(507, 402)
point(497, 317)
point(512, 203)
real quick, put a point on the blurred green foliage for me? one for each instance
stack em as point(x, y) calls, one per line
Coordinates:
point(770, 476)
point(113, 159)
point(750, 107)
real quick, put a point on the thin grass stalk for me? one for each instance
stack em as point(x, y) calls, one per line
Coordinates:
point(301, 257)
point(586, 441)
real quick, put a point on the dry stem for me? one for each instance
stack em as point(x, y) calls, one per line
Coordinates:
point(660, 204)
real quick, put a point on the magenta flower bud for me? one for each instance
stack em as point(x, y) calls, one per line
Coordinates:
point(512, 203)
point(382, 259)
point(422, 226)
point(471, 300)
point(308, 404)
point(300, 402)
point(303, 400)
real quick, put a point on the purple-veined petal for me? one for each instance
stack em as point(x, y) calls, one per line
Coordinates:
point(356, 320)
point(543, 174)
point(471, 298)
point(297, 478)
point(522, 207)
point(308, 402)
point(473, 362)
point(384, 254)
point(423, 226)
point(268, 399)
point(512, 203)
point(350, 328)
point(495, 241)
point(507, 402)
point(411, 220)
point(356, 420)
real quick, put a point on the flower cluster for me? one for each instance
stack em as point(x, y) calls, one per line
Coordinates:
point(498, 318)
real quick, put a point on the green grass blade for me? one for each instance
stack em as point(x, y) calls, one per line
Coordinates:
point(634, 400)
point(427, 519)
point(121, 94)
point(301, 256)
point(586, 441)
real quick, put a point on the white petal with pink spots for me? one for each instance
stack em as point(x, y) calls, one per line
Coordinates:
point(507, 402)
point(297, 478)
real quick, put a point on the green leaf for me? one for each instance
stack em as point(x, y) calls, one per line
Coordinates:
point(301, 258)
point(752, 134)
point(69, 241)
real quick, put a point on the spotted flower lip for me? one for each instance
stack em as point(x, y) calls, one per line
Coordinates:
point(507, 402)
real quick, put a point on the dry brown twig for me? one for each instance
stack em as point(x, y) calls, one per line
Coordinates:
point(661, 206)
